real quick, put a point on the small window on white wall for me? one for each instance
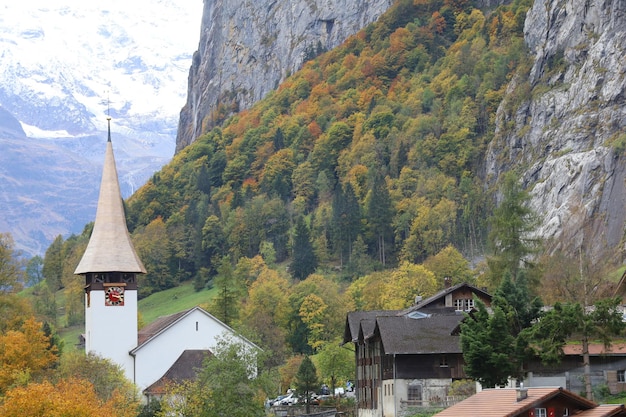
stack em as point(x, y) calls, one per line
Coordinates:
point(196, 326)
point(414, 392)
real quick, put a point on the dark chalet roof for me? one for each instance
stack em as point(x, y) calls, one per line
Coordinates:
point(366, 319)
point(185, 368)
point(434, 334)
point(424, 328)
point(430, 301)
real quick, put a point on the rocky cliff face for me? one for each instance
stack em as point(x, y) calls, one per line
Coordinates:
point(248, 47)
point(568, 135)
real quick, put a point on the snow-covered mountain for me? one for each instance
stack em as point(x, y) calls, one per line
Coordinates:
point(65, 65)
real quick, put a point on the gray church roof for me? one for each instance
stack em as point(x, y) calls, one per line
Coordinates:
point(110, 248)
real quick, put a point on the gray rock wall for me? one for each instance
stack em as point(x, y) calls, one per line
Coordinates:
point(248, 47)
point(564, 136)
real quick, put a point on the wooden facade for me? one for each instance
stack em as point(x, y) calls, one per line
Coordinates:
point(409, 357)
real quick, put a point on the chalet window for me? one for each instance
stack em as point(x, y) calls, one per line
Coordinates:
point(541, 412)
point(443, 361)
point(621, 375)
point(566, 412)
point(415, 392)
point(464, 304)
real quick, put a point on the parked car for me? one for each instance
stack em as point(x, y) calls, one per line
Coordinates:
point(290, 399)
point(277, 400)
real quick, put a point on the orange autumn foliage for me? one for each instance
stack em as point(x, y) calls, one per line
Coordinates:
point(24, 353)
point(71, 397)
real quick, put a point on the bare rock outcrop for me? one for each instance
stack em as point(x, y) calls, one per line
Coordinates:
point(567, 137)
point(248, 47)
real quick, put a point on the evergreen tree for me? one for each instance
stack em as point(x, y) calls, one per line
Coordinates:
point(496, 346)
point(225, 305)
point(379, 215)
point(279, 139)
point(346, 220)
point(487, 347)
point(510, 237)
point(303, 261)
point(306, 381)
point(214, 244)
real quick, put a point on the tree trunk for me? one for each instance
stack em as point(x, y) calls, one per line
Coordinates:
point(587, 368)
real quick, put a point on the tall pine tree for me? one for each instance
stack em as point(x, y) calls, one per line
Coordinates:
point(225, 305)
point(379, 215)
point(346, 221)
point(510, 236)
point(303, 261)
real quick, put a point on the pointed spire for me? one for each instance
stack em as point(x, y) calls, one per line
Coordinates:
point(110, 248)
point(109, 127)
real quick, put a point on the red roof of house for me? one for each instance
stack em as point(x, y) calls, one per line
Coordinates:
point(604, 410)
point(504, 403)
point(596, 349)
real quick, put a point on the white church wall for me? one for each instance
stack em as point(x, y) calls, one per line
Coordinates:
point(196, 330)
point(116, 334)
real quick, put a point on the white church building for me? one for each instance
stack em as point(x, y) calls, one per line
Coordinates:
point(167, 350)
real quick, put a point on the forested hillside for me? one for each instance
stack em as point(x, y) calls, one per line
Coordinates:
point(365, 160)
point(375, 144)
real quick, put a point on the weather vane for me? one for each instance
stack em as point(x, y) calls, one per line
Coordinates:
point(108, 103)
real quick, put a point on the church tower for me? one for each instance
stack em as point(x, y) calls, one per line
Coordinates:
point(110, 265)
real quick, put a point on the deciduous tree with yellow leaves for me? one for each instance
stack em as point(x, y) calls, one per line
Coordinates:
point(24, 354)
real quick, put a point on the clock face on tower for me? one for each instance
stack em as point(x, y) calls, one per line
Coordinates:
point(114, 296)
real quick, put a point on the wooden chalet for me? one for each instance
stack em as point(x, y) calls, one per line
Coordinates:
point(409, 357)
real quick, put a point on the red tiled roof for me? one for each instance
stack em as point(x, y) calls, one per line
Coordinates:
point(503, 402)
point(605, 410)
point(596, 349)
